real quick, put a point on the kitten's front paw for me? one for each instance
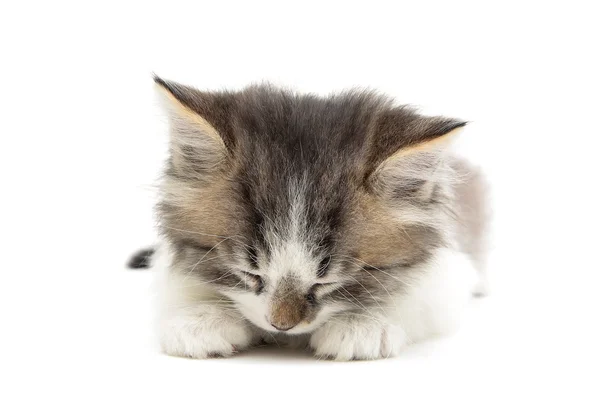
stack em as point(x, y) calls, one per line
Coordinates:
point(205, 333)
point(355, 338)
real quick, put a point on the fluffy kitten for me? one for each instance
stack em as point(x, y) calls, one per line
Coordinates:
point(344, 220)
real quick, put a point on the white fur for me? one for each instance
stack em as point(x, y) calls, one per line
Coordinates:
point(194, 321)
point(432, 306)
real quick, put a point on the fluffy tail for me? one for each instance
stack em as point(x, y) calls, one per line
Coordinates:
point(141, 259)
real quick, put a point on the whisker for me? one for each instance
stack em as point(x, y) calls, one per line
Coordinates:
point(367, 290)
point(232, 237)
point(383, 286)
point(358, 301)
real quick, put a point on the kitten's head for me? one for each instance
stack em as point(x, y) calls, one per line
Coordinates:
point(298, 207)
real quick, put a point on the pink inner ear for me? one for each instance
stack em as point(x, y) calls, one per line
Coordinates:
point(401, 130)
point(213, 107)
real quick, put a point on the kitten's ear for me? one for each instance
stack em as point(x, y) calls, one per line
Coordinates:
point(407, 155)
point(199, 127)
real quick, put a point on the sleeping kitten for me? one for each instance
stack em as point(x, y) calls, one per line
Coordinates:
point(344, 220)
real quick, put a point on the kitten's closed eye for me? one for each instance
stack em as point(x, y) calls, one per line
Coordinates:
point(256, 280)
point(320, 286)
point(319, 289)
point(311, 298)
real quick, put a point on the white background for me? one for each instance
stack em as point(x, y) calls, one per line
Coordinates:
point(82, 142)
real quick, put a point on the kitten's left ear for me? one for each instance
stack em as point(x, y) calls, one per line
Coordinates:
point(407, 153)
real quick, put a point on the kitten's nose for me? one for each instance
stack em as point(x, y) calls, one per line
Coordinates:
point(288, 305)
point(283, 329)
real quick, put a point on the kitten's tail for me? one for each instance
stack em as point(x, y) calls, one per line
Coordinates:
point(141, 259)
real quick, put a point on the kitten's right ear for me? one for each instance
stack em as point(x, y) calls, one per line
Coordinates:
point(198, 131)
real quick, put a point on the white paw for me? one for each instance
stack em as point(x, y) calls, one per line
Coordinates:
point(356, 338)
point(207, 332)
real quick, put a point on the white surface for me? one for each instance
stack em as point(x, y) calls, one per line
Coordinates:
point(82, 142)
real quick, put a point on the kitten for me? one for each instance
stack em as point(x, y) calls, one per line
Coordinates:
point(344, 220)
